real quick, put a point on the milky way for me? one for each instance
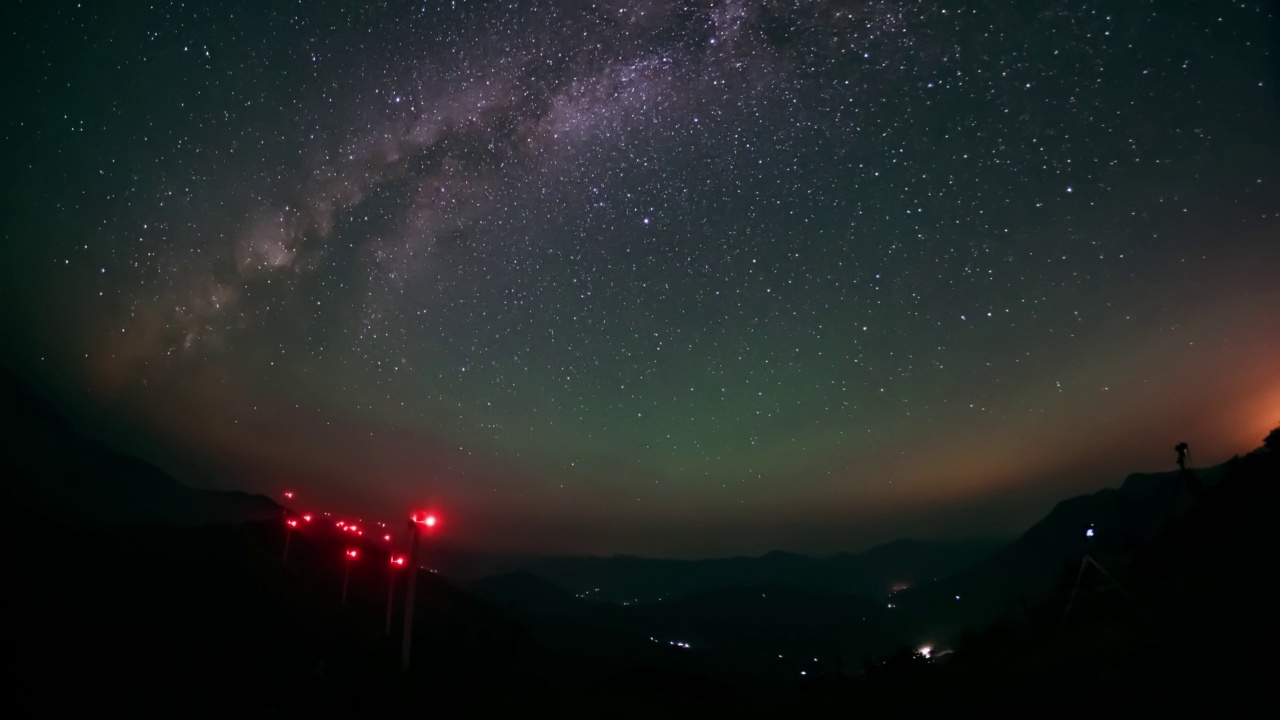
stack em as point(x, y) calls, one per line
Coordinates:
point(756, 273)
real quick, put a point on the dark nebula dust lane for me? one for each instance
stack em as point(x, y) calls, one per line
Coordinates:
point(661, 277)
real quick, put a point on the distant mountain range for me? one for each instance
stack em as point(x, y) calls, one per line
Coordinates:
point(637, 580)
point(52, 466)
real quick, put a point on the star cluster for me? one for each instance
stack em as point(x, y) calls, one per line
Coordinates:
point(601, 266)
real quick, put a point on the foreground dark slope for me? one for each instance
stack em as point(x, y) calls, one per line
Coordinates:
point(1029, 567)
point(1192, 636)
point(207, 621)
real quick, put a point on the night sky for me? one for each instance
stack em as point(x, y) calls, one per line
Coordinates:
point(665, 277)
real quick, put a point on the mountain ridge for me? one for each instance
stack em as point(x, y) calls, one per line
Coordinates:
point(1123, 517)
point(52, 465)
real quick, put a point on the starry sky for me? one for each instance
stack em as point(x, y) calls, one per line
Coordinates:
point(672, 277)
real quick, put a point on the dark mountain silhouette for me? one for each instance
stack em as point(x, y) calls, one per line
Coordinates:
point(1191, 638)
point(529, 594)
point(1123, 518)
point(637, 580)
point(49, 464)
point(208, 619)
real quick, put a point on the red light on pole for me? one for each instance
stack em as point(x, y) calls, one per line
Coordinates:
point(416, 522)
point(397, 561)
point(288, 495)
point(387, 538)
point(352, 554)
point(424, 519)
point(307, 518)
point(290, 524)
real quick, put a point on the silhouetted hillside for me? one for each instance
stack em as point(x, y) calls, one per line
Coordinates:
point(1183, 632)
point(528, 594)
point(1124, 518)
point(49, 465)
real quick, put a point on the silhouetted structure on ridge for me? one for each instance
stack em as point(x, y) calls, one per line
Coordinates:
point(1099, 580)
point(1186, 479)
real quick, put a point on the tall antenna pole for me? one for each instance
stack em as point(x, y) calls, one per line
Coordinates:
point(414, 528)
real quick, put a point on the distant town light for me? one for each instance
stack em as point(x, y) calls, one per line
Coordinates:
point(926, 651)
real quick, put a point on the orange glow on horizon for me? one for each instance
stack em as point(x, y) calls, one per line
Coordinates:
point(1263, 416)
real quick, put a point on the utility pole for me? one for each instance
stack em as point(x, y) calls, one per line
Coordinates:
point(396, 561)
point(416, 522)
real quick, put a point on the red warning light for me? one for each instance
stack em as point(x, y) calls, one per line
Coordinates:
point(352, 553)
